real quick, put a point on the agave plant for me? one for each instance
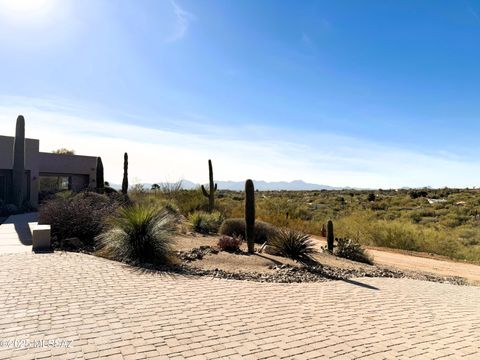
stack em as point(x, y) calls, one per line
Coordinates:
point(139, 233)
point(292, 244)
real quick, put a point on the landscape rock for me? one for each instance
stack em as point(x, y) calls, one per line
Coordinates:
point(285, 273)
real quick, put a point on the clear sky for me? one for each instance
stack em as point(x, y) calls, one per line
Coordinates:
point(345, 93)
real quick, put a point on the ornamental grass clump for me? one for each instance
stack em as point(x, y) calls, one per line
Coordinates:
point(352, 250)
point(292, 244)
point(140, 234)
point(206, 223)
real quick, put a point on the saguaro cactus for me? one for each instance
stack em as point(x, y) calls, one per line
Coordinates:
point(250, 215)
point(100, 176)
point(212, 188)
point(18, 167)
point(330, 235)
point(125, 174)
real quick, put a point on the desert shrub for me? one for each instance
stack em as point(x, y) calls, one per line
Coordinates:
point(349, 249)
point(138, 233)
point(189, 201)
point(414, 194)
point(263, 231)
point(150, 200)
point(230, 243)
point(170, 189)
point(292, 244)
point(401, 235)
point(206, 223)
point(79, 216)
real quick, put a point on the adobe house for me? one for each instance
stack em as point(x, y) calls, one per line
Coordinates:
point(42, 171)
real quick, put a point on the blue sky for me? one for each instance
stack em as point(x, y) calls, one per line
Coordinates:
point(353, 93)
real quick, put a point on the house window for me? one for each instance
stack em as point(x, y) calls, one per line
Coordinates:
point(54, 183)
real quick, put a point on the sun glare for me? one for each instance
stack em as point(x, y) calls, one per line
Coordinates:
point(26, 7)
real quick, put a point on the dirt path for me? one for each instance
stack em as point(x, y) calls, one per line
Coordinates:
point(421, 263)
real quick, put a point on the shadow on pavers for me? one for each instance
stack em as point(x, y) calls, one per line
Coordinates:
point(23, 233)
point(20, 223)
point(358, 283)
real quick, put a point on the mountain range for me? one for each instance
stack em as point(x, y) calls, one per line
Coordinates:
point(296, 185)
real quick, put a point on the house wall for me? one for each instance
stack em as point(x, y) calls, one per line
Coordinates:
point(31, 163)
point(82, 169)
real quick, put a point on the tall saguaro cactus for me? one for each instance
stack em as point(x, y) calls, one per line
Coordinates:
point(125, 174)
point(250, 215)
point(212, 188)
point(100, 176)
point(330, 235)
point(18, 167)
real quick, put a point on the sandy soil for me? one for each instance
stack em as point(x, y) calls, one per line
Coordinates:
point(411, 262)
point(421, 262)
point(230, 262)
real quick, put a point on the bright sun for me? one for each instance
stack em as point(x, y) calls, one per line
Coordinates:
point(26, 6)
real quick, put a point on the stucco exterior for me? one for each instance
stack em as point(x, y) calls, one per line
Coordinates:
point(31, 165)
point(80, 170)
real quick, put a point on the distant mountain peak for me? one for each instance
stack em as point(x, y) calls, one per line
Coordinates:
point(262, 185)
point(297, 185)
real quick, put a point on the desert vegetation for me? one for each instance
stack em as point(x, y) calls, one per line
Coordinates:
point(292, 244)
point(443, 221)
point(138, 233)
point(401, 219)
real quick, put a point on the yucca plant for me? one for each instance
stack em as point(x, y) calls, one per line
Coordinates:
point(139, 233)
point(292, 244)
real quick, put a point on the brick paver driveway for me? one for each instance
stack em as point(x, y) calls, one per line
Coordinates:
point(109, 310)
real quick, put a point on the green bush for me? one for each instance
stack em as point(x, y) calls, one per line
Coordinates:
point(140, 234)
point(206, 223)
point(292, 244)
point(351, 250)
point(236, 226)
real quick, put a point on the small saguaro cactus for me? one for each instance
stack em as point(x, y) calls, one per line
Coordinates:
point(125, 174)
point(250, 215)
point(212, 188)
point(100, 177)
point(18, 186)
point(330, 236)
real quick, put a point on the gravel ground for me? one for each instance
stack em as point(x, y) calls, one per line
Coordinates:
point(294, 274)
